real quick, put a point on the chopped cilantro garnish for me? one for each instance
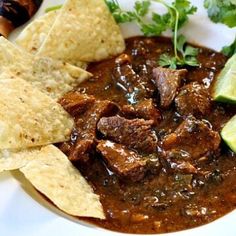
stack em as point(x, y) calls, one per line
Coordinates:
point(176, 16)
point(229, 50)
point(223, 11)
point(187, 55)
point(53, 8)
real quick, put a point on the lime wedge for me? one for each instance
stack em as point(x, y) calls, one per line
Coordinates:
point(225, 86)
point(229, 134)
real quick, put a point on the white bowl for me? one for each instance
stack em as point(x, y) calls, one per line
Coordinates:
point(23, 212)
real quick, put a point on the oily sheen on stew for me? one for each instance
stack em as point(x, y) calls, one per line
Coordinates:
point(150, 147)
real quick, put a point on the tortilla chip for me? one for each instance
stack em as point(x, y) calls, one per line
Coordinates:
point(55, 78)
point(83, 31)
point(34, 34)
point(12, 159)
point(30, 118)
point(53, 175)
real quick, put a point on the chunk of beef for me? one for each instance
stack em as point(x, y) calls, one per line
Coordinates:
point(124, 162)
point(65, 147)
point(134, 86)
point(168, 82)
point(81, 150)
point(193, 99)
point(76, 103)
point(144, 109)
point(126, 78)
point(136, 134)
point(194, 137)
point(143, 62)
point(179, 161)
point(184, 167)
point(86, 124)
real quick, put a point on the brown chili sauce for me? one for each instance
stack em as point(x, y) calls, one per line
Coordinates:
point(181, 188)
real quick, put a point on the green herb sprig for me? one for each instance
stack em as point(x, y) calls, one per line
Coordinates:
point(188, 55)
point(176, 16)
point(53, 8)
point(229, 50)
point(222, 11)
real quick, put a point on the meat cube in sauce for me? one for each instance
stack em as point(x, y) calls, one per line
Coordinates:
point(135, 134)
point(86, 124)
point(87, 113)
point(126, 78)
point(141, 60)
point(122, 161)
point(194, 137)
point(179, 161)
point(143, 63)
point(168, 81)
point(145, 109)
point(76, 103)
point(193, 99)
point(81, 150)
point(135, 87)
point(186, 178)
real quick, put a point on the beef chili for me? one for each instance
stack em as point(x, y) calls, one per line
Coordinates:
point(147, 140)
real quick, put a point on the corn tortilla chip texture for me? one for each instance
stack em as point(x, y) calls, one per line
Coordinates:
point(53, 77)
point(53, 175)
point(34, 34)
point(13, 159)
point(30, 118)
point(83, 31)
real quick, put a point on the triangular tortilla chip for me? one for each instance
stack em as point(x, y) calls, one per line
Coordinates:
point(34, 34)
point(83, 31)
point(52, 77)
point(13, 159)
point(53, 175)
point(30, 118)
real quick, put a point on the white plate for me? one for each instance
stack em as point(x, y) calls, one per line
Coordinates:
point(23, 212)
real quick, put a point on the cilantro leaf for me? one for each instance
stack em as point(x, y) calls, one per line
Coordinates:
point(156, 27)
point(188, 56)
point(180, 44)
point(167, 60)
point(229, 50)
point(142, 8)
point(177, 15)
point(161, 22)
point(220, 11)
point(53, 8)
point(120, 15)
point(184, 8)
